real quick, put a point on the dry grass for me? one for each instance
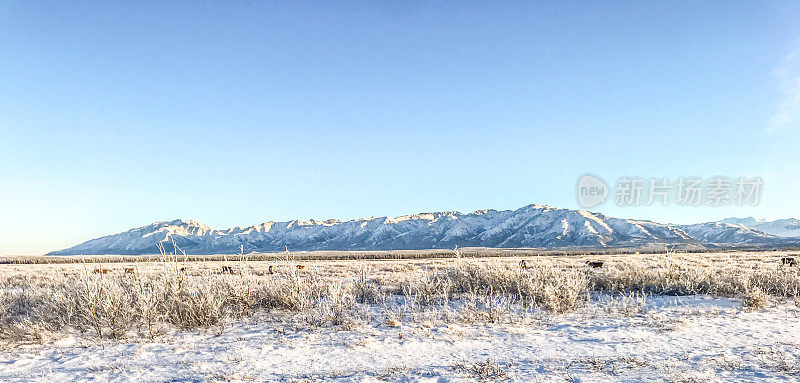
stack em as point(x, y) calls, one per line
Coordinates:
point(157, 297)
point(467, 252)
point(483, 370)
point(688, 275)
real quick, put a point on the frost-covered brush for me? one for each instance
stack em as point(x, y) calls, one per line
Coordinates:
point(668, 255)
point(159, 295)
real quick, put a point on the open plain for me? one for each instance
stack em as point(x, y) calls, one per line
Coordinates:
point(458, 315)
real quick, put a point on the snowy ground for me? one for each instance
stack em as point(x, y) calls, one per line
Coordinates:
point(675, 339)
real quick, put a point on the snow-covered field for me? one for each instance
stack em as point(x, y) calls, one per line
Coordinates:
point(612, 333)
point(695, 338)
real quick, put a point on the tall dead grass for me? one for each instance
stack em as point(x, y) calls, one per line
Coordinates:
point(693, 276)
point(150, 301)
point(541, 285)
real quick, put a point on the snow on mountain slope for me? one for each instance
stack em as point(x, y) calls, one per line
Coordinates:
point(788, 227)
point(529, 226)
point(723, 233)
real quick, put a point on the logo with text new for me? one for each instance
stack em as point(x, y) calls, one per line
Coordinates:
point(592, 191)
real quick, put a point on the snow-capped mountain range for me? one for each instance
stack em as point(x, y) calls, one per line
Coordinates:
point(537, 226)
point(786, 227)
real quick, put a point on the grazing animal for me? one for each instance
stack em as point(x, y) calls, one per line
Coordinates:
point(594, 264)
point(270, 269)
point(523, 265)
point(227, 269)
point(788, 261)
point(182, 269)
point(129, 270)
point(301, 267)
point(101, 271)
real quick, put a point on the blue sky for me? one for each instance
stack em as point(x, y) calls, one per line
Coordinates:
point(117, 114)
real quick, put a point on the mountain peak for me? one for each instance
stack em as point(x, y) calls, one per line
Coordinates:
point(181, 222)
point(747, 221)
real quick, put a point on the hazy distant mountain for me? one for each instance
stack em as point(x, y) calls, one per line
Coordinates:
point(530, 226)
point(719, 233)
point(788, 227)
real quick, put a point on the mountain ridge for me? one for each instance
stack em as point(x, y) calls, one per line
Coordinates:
point(534, 225)
point(783, 227)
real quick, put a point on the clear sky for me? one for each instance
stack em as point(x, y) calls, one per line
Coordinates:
point(117, 114)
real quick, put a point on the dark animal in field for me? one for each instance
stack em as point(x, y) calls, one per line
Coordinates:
point(129, 270)
point(182, 269)
point(101, 271)
point(270, 269)
point(788, 261)
point(301, 267)
point(227, 269)
point(595, 264)
point(523, 265)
